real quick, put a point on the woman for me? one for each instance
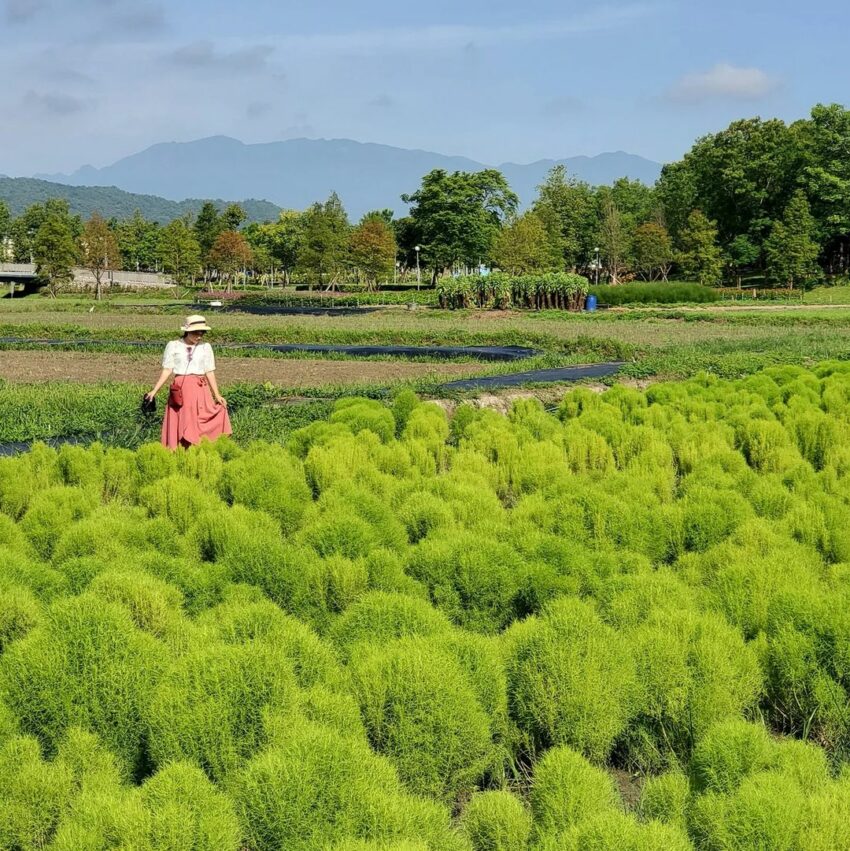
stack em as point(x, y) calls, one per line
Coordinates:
point(191, 412)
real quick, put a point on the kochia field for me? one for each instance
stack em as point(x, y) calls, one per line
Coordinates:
point(620, 624)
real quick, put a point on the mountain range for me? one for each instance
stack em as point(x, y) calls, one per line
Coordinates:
point(297, 172)
point(109, 201)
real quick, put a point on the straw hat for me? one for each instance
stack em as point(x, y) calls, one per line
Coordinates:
point(196, 322)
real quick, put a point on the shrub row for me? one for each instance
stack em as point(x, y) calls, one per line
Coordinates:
point(552, 290)
point(657, 292)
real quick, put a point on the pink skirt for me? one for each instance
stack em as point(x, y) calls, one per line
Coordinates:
point(197, 417)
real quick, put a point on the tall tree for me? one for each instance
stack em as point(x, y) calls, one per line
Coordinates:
point(614, 240)
point(524, 245)
point(825, 145)
point(54, 248)
point(5, 228)
point(742, 253)
point(286, 239)
point(325, 241)
point(179, 251)
point(233, 216)
point(568, 209)
point(138, 242)
point(373, 249)
point(208, 225)
point(653, 251)
point(741, 178)
point(790, 250)
point(230, 252)
point(701, 258)
point(459, 215)
point(99, 250)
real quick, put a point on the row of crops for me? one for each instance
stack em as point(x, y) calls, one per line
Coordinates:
point(407, 631)
point(550, 290)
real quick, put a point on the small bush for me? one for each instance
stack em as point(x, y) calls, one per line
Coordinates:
point(571, 679)
point(378, 618)
point(87, 665)
point(567, 789)
point(187, 811)
point(313, 789)
point(666, 798)
point(210, 706)
point(496, 821)
point(268, 479)
point(359, 414)
point(421, 711)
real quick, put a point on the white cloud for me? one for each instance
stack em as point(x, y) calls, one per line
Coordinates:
point(724, 82)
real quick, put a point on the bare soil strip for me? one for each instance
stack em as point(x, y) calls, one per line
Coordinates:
point(93, 367)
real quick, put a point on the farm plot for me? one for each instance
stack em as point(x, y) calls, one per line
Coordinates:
point(406, 631)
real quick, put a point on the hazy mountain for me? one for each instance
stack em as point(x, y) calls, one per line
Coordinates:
point(109, 201)
point(297, 172)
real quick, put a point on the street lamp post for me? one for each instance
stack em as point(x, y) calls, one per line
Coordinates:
point(418, 274)
point(596, 267)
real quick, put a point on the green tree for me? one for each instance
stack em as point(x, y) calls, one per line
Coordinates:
point(325, 241)
point(99, 250)
point(524, 245)
point(208, 225)
point(5, 228)
point(179, 251)
point(700, 257)
point(790, 250)
point(459, 215)
point(54, 247)
point(825, 149)
point(373, 249)
point(568, 209)
point(286, 240)
point(741, 254)
point(138, 242)
point(741, 178)
point(653, 251)
point(614, 240)
point(233, 216)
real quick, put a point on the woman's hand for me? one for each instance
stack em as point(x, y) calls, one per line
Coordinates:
point(222, 401)
point(150, 396)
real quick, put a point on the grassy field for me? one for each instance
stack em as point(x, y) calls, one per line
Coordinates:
point(655, 344)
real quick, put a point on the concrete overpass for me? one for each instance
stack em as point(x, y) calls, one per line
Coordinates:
point(21, 278)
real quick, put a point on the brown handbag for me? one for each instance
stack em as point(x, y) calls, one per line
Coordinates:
point(175, 392)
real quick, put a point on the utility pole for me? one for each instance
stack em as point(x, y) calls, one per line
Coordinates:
point(418, 274)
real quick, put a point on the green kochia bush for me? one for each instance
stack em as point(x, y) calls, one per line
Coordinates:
point(269, 479)
point(86, 664)
point(312, 788)
point(496, 821)
point(210, 706)
point(422, 711)
point(567, 789)
point(571, 679)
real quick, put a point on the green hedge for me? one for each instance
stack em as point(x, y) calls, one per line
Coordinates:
point(670, 292)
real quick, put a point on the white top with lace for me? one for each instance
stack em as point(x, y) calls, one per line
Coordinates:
point(176, 358)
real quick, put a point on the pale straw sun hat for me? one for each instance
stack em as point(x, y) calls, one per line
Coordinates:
point(196, 322)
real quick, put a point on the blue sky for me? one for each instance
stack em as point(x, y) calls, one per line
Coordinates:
point(90, 81)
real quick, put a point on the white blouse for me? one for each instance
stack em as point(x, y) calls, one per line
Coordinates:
point(176, 358)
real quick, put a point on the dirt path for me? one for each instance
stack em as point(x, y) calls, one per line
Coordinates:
point(94, 367)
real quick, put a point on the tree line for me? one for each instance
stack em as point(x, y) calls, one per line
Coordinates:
point(761, 197)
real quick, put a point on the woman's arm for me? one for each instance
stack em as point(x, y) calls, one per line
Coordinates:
point(210, 376)
point(163, 377)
